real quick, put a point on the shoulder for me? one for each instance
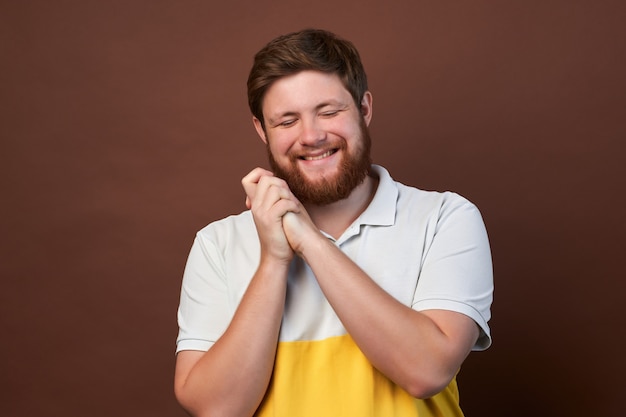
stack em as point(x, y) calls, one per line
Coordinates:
point(413, 202)
point(238, 227)
point(436, 202)
point(390, 187)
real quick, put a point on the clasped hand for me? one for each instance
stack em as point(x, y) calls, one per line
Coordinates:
point(281, 221)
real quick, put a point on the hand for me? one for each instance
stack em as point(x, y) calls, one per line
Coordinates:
point(269, 199)
point(299, 229)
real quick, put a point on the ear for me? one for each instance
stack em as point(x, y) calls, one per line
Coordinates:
point(366, 107)
point(259, 129)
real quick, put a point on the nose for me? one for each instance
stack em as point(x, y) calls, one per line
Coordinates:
point(312, 132)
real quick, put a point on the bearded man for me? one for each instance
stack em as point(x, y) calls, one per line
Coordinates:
point(339, 292)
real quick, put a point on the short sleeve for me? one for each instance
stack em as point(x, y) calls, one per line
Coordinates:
point(203, 312)
point(457, 271)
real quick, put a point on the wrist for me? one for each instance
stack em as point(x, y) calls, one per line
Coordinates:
point(272, 262)
point(317, 243)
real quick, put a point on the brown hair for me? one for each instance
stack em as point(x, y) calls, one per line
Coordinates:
point(309, 49)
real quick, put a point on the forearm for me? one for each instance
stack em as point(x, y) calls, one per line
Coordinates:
point(231, 378)
point(407, 346)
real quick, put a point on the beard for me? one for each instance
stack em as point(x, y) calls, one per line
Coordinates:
point(353, 170)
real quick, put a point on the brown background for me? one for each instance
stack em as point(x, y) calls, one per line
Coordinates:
point(125, 129)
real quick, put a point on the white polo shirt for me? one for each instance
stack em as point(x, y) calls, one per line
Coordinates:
point(427, 249)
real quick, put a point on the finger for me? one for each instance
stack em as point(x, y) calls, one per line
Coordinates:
point(285, 207)
point(255, 175)
point(268, 190)
point(251, 180)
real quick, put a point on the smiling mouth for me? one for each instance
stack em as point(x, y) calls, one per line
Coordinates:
point(318, 157)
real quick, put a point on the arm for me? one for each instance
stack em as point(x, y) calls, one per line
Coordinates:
point(230, 379)
point(420, 351)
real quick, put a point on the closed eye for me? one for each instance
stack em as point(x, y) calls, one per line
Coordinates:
point(287, 123)
point(330, 113)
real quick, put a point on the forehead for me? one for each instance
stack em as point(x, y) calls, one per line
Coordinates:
point(304, 91)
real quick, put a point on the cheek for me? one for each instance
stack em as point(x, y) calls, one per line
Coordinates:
point(347, 128)
point(350, 134)
point(278, 146)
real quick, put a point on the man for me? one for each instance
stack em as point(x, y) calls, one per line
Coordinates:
point(340, 292)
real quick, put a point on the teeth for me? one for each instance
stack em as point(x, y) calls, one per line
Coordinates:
point(315, 158)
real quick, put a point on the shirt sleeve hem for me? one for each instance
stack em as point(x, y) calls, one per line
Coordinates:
point(193, 344)
point(484, 339)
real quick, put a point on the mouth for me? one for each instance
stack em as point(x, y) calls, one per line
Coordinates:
point(318, 157)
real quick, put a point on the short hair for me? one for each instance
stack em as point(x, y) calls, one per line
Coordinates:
point(309, 49)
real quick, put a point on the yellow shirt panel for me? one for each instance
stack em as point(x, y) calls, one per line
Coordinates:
point(332, 377)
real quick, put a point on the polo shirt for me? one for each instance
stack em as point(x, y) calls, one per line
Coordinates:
point(428, 249)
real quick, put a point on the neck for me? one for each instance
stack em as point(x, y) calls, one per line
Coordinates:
point(335, 218)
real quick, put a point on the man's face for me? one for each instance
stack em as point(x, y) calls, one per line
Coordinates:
point(317, 138)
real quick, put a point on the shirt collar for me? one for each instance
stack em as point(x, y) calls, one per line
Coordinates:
point(382, 210)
